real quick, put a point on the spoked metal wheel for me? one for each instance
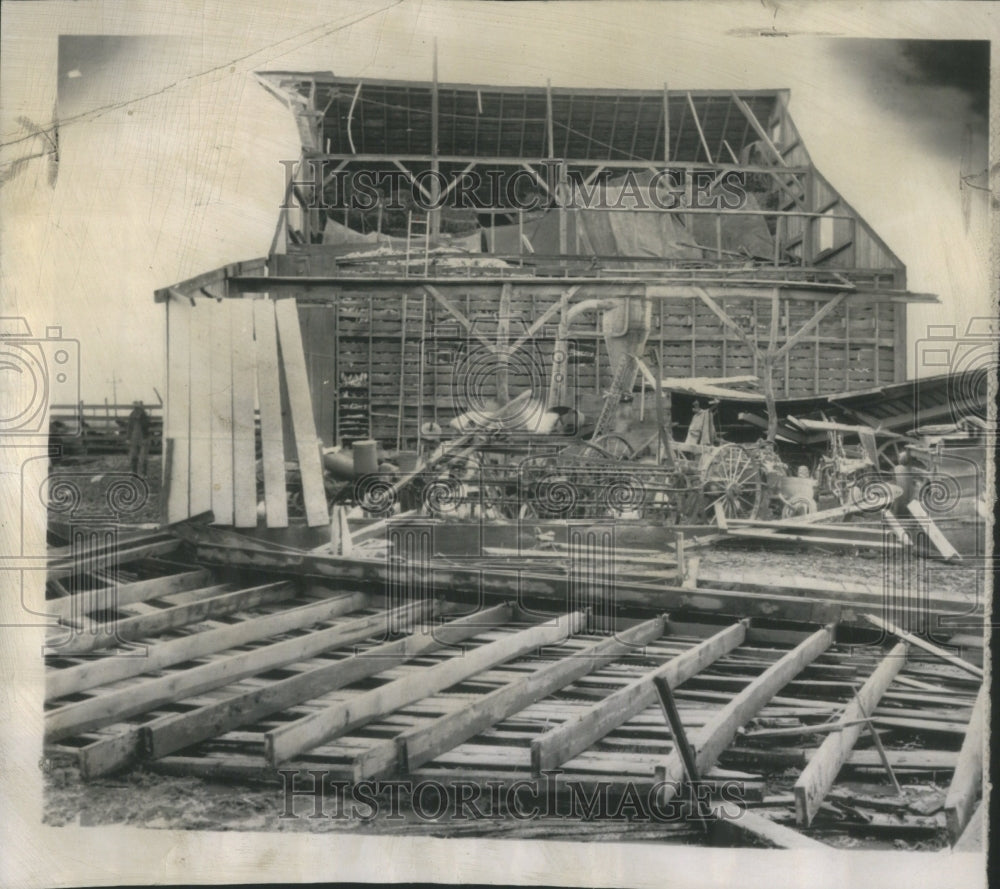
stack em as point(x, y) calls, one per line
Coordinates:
point(732, 479)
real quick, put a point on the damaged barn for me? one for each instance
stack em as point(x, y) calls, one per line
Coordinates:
point(534, 455)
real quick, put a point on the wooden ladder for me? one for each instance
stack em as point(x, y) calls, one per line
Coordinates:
point(417, 224)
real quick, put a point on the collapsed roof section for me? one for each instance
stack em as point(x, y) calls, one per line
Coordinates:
point(558, 140)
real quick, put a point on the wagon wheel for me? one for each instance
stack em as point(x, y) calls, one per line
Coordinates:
point(732, 479)
point(614, 446)
point(890, 452)
point(589, 450)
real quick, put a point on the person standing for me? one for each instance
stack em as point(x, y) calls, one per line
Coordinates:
point(138, 439)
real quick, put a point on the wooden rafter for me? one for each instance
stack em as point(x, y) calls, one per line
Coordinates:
point(420, 745)
point(140, 697)
point(701, 132)
point(717, 734)
point(566, 740)
point(293, 738)
point(817, 778)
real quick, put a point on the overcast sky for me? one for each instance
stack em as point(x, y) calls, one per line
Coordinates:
point(169, 150)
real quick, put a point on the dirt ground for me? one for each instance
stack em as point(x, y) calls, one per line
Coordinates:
point(94, 477)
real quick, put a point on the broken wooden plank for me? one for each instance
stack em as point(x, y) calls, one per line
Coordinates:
point(918, 642)
point(564, 741)
point(176, 651)
point(307, 443)
point(817, 778)
point(420, 745)
point(174, 732)
point(967, 782)
point(139, 697)
point(292, 738)
point(244, 388)
point(757, 827)
point(933, 532)
point(143, 625)
point(271, 425)
point(717, 734)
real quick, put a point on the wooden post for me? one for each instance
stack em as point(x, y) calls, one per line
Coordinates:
point(434, 217)
point(503, 340)
point(666, 123)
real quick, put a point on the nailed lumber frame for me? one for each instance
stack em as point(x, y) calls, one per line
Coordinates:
point(417, 746)
point(177, 731)
point(122, 594)
point(131, 628)
point(817, 778)
point(717, 734)
point(176, 651)
point(119, 704)
point(292, 738)
point(573, 736)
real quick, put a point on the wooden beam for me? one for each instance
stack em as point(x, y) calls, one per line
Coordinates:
point(457, 314)
point(565, 741)
point(933, 532)
point(749, 824)
point(717, 734)
point(545, 318)
point(817, 778)
point(967, 782)
point(163, 619)
point(65, 565)
point(122, 594)
point(303, 421)
point(954, 660)
point(666, 123)
point(119, 704)
point(180, 730)
point(701, 132)
point(292, 738)
point(805, 329)
point(971, 839)
point(178, 651)
point(503, 338)
point(725, 319)
point(420, 745)
point(758, 129)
